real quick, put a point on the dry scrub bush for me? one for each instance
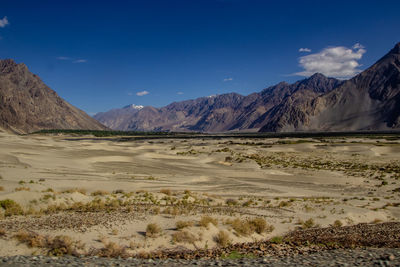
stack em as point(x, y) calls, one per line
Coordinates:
point(183, 237)
point(100, 193)
point(222, 238)
point(2, 232)
point(152, 230)
point(11, 207)
point(1, 188)
point(337, 223)
point(166, 192)
point(249, 226)
point(205, 220)
point(231, 202)
point(22, 189)
point(56, 246)
point(112, 250)
point(182, 224)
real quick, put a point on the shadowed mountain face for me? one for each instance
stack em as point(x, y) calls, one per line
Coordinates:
point(216, 113)
point(369, 101)
point(27, 104)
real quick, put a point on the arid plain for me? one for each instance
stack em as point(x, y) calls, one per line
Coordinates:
point(106, 197)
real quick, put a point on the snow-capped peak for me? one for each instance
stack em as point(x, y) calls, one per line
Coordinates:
point(135, 106)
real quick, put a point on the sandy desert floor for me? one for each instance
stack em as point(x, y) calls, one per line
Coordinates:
point(147, 195)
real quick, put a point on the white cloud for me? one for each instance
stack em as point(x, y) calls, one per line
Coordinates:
point(305, 50)
point(339, 62)
point(80, 61)
point(179, 93)
point(142, 93)
point(63, 58)
point(228, 79)
point(4, 22)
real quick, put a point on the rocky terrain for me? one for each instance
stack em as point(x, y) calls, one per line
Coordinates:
point(219, 113)
point(369, 101)
point(27, 104)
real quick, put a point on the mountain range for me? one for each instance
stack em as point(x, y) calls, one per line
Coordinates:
point(28, 105)
point(368, 101)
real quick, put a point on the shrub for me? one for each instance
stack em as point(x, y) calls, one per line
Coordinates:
point(57, 246)
point(2, 232)
point(205, 220)
point(152, 230)
point(22, 189)
point(1, 188)
point(222, 238)
point(183, 237)
point(309, 223)
point(11, 207)
point(231, 202)
point(276, 240)
point(337, 223)
point(260, 225)
point(112, 250)
point(100, 193)
point(166, 192)
point(182, 224)
point(241, 227)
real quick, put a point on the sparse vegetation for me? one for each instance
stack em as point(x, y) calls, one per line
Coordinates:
point(276, 240)
point(153, 230)
point(206, 220)
point(222, 238)
point(183, 224)
point(183, 237)
point(11, 207)
point(56, 246)
point(166, 192)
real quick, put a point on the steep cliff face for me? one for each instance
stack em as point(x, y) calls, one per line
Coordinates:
point(27, 104)
point(369, 101)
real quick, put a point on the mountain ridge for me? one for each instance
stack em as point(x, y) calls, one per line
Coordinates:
point(27, 104)
point(368, 101)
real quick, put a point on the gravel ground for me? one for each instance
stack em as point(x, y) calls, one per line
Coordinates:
point(338, 257)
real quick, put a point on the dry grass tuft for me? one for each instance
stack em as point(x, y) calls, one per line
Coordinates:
point(1, 188)
point(112, 250)
point(100, 193)
point(2, 232)
point(153, 230)
point(183, 237)
point(249, 226)
point(166, 192)
point(11, 207)
point(22, 189)
point(337, 223)
point(57, 246)
point(222, 238)
point(206, 220)
point(183, 224)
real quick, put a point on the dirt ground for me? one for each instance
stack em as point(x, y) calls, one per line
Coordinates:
point(198, 193)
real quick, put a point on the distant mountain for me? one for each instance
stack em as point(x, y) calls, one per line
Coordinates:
point(27, 104)
point(219, 113)
point(369, 101)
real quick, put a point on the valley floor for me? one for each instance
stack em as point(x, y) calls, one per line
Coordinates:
point(98, 197)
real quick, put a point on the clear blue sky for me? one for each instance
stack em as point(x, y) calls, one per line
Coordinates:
point(99, 54)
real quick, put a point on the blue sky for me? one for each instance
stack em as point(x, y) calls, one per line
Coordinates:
point(100, 55)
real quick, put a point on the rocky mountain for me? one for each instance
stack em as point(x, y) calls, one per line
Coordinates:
point(27, 104)
point(368, 101)
point(219, 113)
